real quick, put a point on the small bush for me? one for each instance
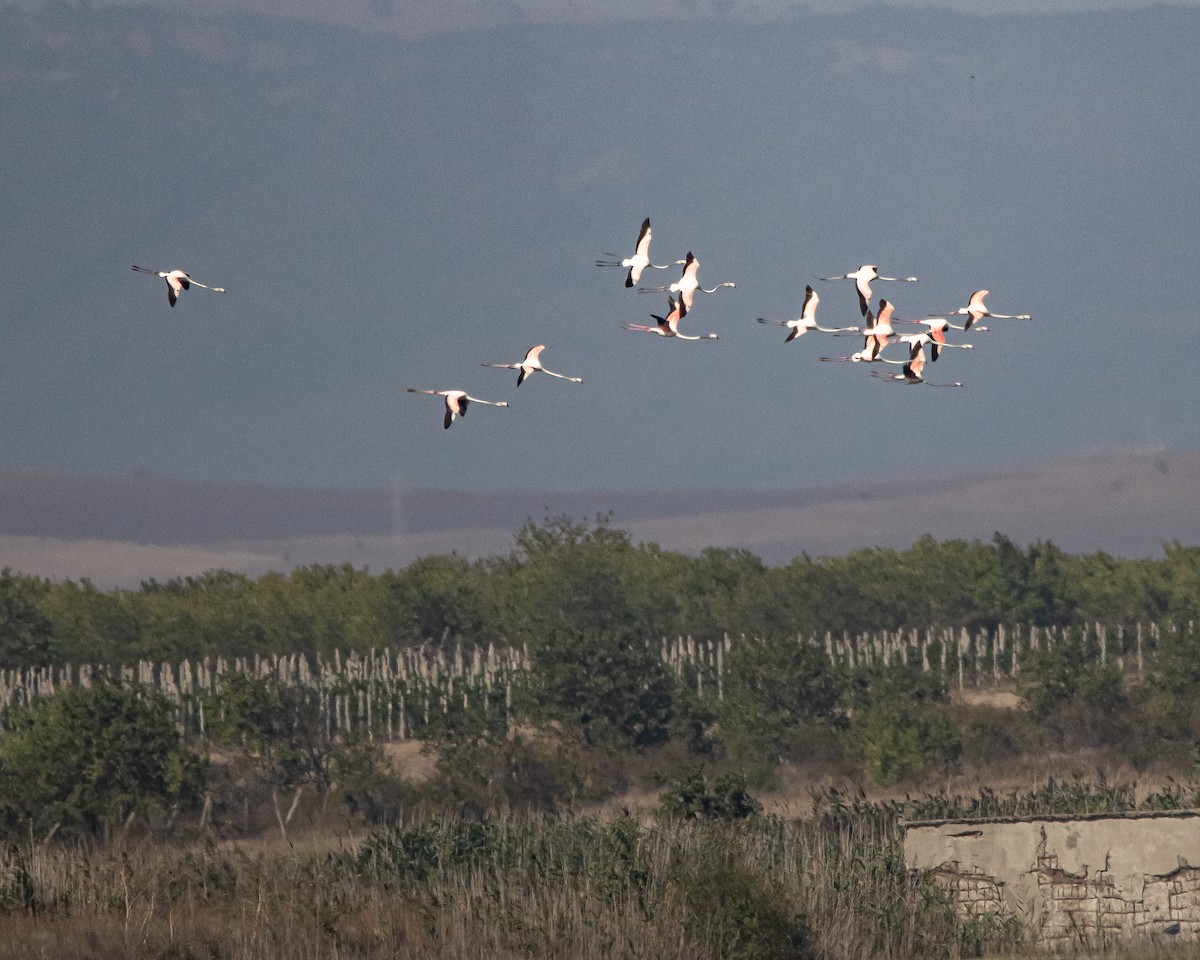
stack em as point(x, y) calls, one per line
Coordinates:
point(898, 741)
point(530, 774)
point(689, 798)
point(367, 786)
point(739, 911)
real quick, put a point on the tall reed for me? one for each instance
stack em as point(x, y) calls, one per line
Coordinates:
point(833, 887)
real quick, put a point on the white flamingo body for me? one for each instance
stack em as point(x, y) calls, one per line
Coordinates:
point(936, 339)
point(870, 353)
point(531, 365)
point(881, 325)
point(457, 402)
point(975, 310)
point(640, 259)
point(862, 278)
point(668, 326)
point(688, 284)
point(177, 282)
point(807, 319)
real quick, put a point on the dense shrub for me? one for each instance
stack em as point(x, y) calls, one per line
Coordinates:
point(779, 696)
point(476, 776)
point(899, 727)
point(281, 726)
point(85, 760)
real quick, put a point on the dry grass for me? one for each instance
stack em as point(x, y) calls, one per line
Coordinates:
point(514, 887)
point(994, 698)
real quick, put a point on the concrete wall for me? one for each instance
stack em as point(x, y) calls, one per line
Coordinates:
point(1071, 881)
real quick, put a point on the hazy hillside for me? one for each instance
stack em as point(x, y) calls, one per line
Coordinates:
point(122, 530)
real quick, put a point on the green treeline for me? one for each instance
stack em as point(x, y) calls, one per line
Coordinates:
point(596, 703)
point(563, 575)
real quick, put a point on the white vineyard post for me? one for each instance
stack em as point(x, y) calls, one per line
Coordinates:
point(963, 645)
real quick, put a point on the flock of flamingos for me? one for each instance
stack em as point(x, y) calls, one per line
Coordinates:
point(876, 330)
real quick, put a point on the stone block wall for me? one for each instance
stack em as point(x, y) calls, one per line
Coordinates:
point(1071, 882)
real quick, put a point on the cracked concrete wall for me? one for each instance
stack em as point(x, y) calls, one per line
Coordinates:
point(1071, 881)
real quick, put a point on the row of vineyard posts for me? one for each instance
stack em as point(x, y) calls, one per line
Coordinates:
point(397, 693)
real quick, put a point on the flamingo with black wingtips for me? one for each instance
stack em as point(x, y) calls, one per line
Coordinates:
point(941, 325)
point(863, 278)
point(936, 340)
point(870, 353)
point(880, 327)
point(457, 402)
point(688, 284)
point(177, 282)
point(640, 259)
point(668, 326)
point(975, 310)
point(807, 320)
point(531, 365)
point(913, 372)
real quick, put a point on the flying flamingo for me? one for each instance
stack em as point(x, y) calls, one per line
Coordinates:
point(457, 402)
point(807, 320)
point(880, 328)
point(668, 326)
point(913, 372)
point(941, 325)
point(640, 259)
point(688, 283)
point(875, 337)
point(975, 311)
point(870, 353)
point(936, 340)
point(862, 278)
point(177, 282)
point(532, 364)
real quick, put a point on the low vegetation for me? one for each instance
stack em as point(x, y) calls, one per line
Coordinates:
point(609, 806)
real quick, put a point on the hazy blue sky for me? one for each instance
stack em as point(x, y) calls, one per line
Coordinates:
point(397, 193)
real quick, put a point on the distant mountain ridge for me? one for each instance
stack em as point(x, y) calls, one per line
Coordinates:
point(162, 510)
point(120, 530)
